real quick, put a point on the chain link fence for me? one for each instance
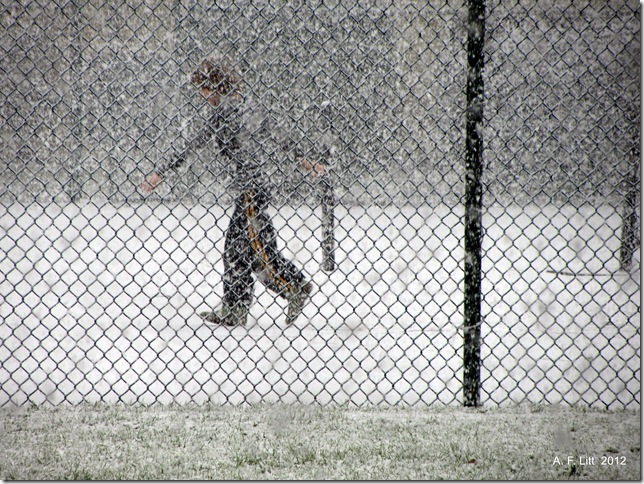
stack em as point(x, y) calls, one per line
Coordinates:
point(101, 286)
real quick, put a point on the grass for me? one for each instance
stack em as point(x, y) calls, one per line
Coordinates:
point(118, 442)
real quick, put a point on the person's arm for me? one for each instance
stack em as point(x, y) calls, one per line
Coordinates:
point(294, 149)
point(156, 177)
point(314, 168)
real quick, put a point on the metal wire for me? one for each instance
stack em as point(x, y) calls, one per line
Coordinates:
point(102, 284)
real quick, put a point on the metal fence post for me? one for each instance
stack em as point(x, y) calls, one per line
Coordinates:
point(328, 199)
point(629, 215)
point(473, 202)
point(328, 221)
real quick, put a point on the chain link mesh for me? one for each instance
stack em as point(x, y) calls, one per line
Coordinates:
point(101, 285)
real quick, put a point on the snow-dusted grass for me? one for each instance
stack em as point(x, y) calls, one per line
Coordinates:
point(312, 442)
point(99, 303)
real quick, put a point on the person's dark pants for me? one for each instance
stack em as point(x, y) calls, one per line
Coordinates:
point(251, 248)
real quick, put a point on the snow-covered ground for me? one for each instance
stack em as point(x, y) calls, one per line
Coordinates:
point(99, 302)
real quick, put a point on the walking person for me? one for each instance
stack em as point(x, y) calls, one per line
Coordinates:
point(240, 129)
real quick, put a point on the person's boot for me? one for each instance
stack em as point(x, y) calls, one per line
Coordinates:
point(296, 301)
point(227, 316)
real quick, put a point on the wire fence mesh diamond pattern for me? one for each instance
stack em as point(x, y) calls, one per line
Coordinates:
point(102, 283)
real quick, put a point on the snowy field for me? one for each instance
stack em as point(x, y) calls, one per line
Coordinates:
point(99, 303)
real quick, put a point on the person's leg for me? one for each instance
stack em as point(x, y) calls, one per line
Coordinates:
point(238, 276)
point(271, 268)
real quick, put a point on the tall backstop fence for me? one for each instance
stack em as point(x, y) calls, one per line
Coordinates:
point(474, 239)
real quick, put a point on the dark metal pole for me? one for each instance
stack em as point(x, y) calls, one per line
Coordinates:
point(630, 240)
point(328, 223)
point(473, 204)
point(328, 199)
